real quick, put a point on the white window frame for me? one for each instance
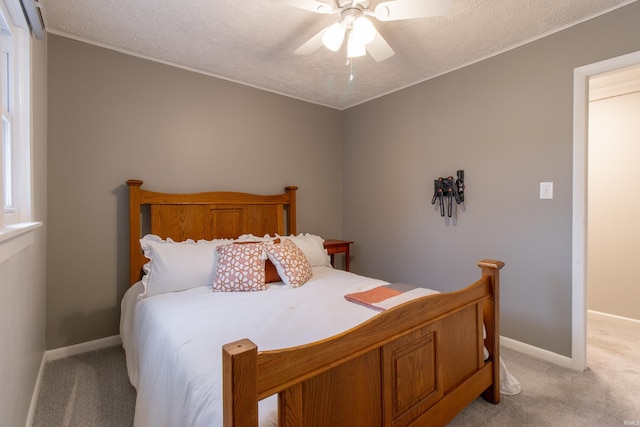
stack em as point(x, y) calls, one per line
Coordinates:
point(16, 41)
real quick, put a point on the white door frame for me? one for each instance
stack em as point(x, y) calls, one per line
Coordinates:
point(581, 77)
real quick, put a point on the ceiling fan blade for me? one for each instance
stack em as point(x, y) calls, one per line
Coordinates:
point(313, 44)
point(310, 5)
point(379, 49)
point(409, 9)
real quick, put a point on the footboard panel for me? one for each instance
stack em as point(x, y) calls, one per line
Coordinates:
point(463, 346)
point(347, 395)
point(412, 372)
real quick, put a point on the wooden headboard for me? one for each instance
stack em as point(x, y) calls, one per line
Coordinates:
point(211, 215)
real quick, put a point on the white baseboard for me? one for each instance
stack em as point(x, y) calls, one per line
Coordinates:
point(36, 393)
point(555, 358)
point(537, 352)
point(613, 316)
point(84, 347)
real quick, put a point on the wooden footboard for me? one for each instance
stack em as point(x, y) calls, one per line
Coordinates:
point(420, 363)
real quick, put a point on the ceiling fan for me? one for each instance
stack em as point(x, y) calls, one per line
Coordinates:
point(355, 26)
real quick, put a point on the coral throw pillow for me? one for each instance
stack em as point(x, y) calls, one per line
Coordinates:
point(270, 272)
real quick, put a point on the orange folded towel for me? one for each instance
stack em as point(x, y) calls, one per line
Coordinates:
point(387, 296)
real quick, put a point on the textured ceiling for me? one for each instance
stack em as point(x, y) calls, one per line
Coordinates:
point(252, 42)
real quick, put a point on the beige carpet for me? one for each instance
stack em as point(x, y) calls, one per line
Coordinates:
point(93, 389)
point(87, 390)
point(606, 394)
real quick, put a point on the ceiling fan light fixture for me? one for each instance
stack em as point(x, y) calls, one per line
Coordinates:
point(363, 30)
point(334, 36)
point(354, 47)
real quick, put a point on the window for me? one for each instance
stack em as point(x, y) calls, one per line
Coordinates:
point(15, 164)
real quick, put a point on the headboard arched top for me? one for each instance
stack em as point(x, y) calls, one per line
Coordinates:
point(209, 215)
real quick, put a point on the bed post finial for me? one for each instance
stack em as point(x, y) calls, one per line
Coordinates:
point(491, 315)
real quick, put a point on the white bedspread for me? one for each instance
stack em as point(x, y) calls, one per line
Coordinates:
point(173, 341)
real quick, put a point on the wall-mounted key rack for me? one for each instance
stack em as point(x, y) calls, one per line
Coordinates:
point(446, 190)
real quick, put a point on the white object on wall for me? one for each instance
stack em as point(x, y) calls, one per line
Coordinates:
point(546, 190)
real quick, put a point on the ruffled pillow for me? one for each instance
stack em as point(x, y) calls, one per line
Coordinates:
point(177, 266)
point(240, 268)
point(291, 263)
point(313, 248)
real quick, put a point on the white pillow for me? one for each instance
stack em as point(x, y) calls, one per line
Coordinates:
point(251, 238)
point(177, 266)
point(313, 248)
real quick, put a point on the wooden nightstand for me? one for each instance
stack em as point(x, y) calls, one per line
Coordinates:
point(334, 246)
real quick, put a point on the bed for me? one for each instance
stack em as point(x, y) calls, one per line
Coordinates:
point(294, 355)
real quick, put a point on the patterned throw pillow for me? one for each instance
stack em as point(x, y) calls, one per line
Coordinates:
point(292, 264)
point(240, 268)
point(270, 272)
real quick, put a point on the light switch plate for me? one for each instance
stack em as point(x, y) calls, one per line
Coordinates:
point(546, 190)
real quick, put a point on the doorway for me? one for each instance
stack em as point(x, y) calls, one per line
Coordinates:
point(580, 214)
point(613, 208)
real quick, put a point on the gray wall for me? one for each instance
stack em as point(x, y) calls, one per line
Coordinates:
point(22, 276)
point(114, 117)
point(365, 174)
point(507, 121)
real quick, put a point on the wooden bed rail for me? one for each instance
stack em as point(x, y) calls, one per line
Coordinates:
point(419, 361)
